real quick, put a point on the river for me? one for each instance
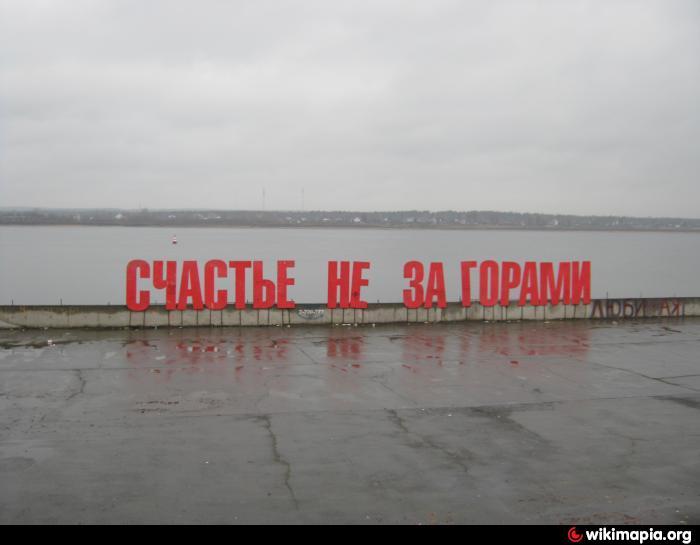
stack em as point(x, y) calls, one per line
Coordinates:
point(86, 265)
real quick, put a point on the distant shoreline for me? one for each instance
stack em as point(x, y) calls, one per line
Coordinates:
point(369, 227)
point(444, 220)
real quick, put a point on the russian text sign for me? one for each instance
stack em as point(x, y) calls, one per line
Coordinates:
point(220, 283)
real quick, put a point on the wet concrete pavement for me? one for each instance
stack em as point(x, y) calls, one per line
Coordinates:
point(568, 422)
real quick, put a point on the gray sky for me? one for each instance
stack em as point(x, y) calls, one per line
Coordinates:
point(559, 106)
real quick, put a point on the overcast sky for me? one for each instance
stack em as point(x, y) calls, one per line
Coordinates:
point(588, 107)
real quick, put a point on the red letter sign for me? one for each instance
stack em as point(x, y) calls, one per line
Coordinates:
point(413, 297)
point(283, 282)
point(263, 289)
point(436, 286)
point(144, 271)
point(488, 283)
point(336, 283)
point(190, 287)
point(218, 268)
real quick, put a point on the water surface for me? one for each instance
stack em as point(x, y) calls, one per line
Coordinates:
point(86, 265)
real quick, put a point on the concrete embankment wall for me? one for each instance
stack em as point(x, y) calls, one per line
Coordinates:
point(104, 316)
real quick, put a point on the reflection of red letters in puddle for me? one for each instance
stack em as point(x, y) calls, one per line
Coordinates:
point(424, 348)
point(345, 347)
point(514, 343)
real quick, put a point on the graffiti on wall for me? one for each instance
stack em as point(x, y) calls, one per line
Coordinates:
point(637, 308)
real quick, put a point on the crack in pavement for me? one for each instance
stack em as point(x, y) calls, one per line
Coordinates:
point(454, 457)
point(378, 380)
point(313, 361)
point(684, 401)
point(277, 457)
point(81, 388)
point(503, 415)
point(662, 380)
